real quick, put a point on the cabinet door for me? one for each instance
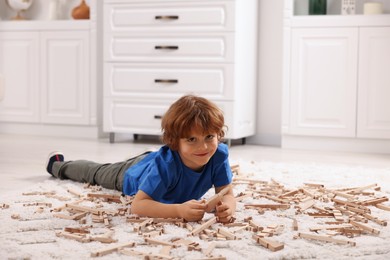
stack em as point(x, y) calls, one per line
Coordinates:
point(323, 82)
point(65, 77)
point(19, 65)
point(374, 83)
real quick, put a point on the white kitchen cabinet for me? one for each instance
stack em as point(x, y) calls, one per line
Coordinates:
point(65, 77)
point(19, 65)
point(336, 81)
point(323, 81)
point(374, 83)
point(47, 76)
point(157, 51)
point(50, 76)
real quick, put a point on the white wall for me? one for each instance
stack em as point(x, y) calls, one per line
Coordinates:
point(270, 72)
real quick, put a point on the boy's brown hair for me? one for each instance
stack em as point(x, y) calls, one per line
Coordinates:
point(188, 113)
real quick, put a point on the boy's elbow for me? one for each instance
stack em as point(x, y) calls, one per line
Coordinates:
point(135, 208)
point(139, 203)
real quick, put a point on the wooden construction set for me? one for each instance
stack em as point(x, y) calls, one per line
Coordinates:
point(344, 213)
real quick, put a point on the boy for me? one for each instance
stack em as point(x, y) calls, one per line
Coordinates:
point(168, 183)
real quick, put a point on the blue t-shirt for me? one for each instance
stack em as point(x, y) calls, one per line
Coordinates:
point(164, 177)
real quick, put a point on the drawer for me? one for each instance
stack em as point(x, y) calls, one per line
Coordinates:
point(177, 16)
point(144, 116)
point(170, 48)
point(159, 80)
point(135, 116)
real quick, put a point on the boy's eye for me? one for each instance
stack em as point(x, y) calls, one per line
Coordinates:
point(210, 137)
point(191, 139)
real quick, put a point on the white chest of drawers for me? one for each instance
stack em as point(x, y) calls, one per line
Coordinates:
point(156, 51)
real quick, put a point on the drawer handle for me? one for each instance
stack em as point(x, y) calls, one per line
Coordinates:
point(166, 17)
point(166, 81)
point(157, 117)
point(167, 47)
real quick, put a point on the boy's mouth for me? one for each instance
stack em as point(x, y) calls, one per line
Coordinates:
point(201, 154)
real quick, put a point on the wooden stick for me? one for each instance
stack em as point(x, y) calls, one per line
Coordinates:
point(272, 245)
point(143, 224)
point(330, 227)
point(204, 226)
point(351, 204)
point(226, 233)
point(168, 220)
point(38, 242)
point(381, 206)
point(306, 205)
point(37, 204)
point(268, 206)
point(133, 252)
point(77, 230)
point(344, 195)
point(289, 193)
point(374, 201)
point(212, 202)
point(359, 189)
point(74, 192)
point(255, 225)
point(78, 237)
point(103, 239)
point(295, 224)
point(111, 249)
point(326, 239)
point(90, 209)
point(250, 181)
point(315, 185)
point(375, 219)
point(365, 227)
point(108, 197)
point(158, 242)
point(321, 215)
point(166, 250)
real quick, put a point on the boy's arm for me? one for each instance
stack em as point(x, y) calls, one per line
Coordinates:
point(227, 207)
point(144, 205)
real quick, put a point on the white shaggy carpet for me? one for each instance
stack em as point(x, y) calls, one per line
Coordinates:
point(32, 236)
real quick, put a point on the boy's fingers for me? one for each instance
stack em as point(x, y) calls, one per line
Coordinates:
point(222, 207)
point(196, 204)
point(225, 220)
point(223, 214)
point(199, 206)
point(199, 213)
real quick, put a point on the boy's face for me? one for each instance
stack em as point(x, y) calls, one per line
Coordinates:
point(196, 150)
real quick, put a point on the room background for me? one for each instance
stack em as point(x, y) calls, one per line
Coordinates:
point(270, 64)
point(270, 45)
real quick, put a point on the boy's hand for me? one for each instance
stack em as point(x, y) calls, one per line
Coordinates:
point(223, 212)
point(193, 210)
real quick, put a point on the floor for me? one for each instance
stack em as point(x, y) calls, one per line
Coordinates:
point(23, 158)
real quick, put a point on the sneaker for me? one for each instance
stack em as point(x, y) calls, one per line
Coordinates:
point(53, 157)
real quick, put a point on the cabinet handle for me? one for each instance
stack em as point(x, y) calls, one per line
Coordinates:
point(157, 117)
point(166, 17)
point(166, 81)
point(167, 47)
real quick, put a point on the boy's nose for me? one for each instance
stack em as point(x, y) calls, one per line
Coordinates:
point(203, 145)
